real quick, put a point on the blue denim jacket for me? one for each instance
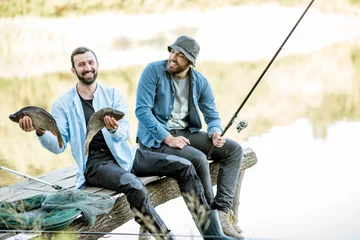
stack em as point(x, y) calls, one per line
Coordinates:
point(155, 100)
point(69, 115)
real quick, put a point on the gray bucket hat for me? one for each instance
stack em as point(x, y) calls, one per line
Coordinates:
point(188, 46)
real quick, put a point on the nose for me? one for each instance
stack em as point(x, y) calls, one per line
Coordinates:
point(87, 67)
point(172, 56)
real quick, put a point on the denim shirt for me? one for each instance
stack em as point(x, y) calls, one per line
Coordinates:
point(155, 100)
point(68, 112)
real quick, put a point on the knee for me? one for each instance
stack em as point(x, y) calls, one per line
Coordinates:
point(239, 149)
point(131, 181)
point(235, 149)
point(181, 167)
point(200, 161)
point(134, 190)
point(179, 161)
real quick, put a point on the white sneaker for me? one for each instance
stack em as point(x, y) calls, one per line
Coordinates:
point(227, 225)
point(234, 220)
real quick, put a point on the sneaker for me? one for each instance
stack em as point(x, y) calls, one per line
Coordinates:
point(234, 220)
point(227, 225)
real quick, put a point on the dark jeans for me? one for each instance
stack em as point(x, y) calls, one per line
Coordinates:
point(103, 171)
point(229, 157)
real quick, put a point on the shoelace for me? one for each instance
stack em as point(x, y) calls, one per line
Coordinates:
point(233, 218)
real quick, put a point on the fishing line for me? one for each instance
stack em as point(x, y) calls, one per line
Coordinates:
point(116, 234)
point(97, 233)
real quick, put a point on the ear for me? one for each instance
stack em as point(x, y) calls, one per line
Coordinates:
point(73, 70)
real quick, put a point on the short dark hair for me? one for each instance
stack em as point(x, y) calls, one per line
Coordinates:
point(80, 50)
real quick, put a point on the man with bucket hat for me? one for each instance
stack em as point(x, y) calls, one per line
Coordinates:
point(170, 96)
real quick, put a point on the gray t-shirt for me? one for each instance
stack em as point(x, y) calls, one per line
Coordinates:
point(180, 111)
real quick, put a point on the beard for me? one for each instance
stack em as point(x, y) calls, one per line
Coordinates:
point(177, 69)
point(87, 81)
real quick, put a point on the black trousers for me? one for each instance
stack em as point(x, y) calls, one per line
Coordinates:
point(229, 157)
point(102, 170)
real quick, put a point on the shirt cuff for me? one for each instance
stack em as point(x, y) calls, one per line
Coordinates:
point(112, 131)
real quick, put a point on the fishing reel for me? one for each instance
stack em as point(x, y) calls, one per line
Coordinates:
point(241, 125)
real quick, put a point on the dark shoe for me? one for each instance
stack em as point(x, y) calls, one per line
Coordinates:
point(211, 229)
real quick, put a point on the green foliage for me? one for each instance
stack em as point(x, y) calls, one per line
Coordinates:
point(53, 8)
point(61, 8)
point(355, 2)
point(355, 57)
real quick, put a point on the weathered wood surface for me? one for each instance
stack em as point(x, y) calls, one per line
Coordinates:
point(160, 191)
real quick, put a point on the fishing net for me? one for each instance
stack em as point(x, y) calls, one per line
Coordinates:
point(53, 212)
point(90, 204)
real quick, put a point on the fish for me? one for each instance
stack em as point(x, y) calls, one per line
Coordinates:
point(40, 118)
point(96, 122)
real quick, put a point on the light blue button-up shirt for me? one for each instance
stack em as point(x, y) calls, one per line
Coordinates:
point(155, 101)
point(68, 112)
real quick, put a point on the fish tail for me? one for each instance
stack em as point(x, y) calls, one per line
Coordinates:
point(59, 138)
point(86, 148)
point(60, 141)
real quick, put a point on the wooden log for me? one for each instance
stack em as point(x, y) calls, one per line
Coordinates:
point(160, 191)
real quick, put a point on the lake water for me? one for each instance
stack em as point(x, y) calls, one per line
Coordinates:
point(304, 116)
point(303, 187)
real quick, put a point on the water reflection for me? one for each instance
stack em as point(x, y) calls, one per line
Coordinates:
point(303, 187)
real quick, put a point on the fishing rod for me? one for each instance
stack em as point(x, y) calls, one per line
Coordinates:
point(243, 124)
point(56, 187)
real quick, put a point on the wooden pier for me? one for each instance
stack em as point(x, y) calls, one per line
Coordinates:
point(160, 189)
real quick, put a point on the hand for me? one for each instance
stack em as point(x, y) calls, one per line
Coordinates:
point(176, 142)
point(218, 140)
point(25, 124)
point(111, 123)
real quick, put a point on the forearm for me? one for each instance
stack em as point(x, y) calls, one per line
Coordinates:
point(122, 132)
point(50, 142)
point(149, 121)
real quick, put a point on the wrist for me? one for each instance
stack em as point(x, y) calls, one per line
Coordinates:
point(112, 131)
point(167, 139)
point(39, 133)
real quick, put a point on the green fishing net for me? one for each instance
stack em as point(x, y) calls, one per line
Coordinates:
point(53, 212)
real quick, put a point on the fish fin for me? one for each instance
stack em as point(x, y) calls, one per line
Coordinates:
point(86, 148)
point(60, 141)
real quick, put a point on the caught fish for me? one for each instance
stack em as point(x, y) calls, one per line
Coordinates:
point(96, 122)
point(40, 118)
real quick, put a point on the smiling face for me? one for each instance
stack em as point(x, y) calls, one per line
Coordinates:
point(178, 64)
point(85, 67)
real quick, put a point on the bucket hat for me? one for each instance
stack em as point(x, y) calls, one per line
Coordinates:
point(188, 46)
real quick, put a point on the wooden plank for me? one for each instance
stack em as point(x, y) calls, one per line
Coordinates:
point(64, 177)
